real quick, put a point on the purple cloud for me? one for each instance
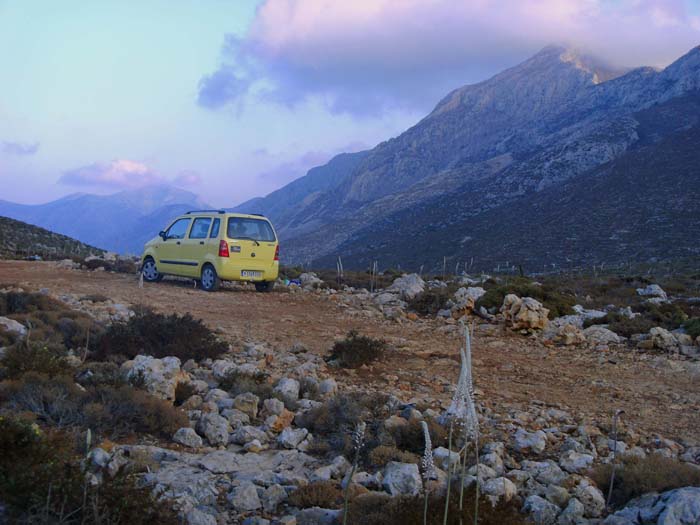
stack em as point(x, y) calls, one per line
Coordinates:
point(117, 174)
point(19, 148)
point(370, 56)
point(187, 178)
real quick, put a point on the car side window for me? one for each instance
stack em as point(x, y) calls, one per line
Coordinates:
point(178, 229)
point(215, 229)
point(200, 228)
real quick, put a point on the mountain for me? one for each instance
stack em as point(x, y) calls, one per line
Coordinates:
point(121, 222)
point(501, 144)
point(19, 239)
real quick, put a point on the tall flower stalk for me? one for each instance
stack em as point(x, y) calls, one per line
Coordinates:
point(428, 468)
point(358, 441)
point(449, 473)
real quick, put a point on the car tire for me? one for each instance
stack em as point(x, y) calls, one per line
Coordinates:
point(210, 280)
point(264, 286)
point(150, 272)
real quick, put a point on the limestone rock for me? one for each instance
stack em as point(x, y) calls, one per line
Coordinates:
point(540, 510)
point(188, 437)
point(247, 403)
point(408, 286)
point(530, 441)
point(402, 479)
point(524, 314)
point(160, 376)
point(244, 498)
point(215, 428)
point(599, 335)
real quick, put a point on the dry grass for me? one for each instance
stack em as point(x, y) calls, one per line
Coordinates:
point(324, 494)
point(637, 476)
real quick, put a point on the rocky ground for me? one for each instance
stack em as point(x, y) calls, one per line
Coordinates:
point(545, 392)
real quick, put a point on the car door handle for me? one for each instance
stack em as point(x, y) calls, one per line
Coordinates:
point(201, 242)
point(178, 242)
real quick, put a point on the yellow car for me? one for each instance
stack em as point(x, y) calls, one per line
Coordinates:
point(215, 245)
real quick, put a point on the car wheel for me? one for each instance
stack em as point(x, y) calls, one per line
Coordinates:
point(210, 281)
point(150, 271)
point(264, 286)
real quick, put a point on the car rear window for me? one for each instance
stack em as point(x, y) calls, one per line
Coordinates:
point(254, 229)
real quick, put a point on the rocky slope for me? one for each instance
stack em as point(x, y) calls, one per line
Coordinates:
point(19, 239)
point(552, 118)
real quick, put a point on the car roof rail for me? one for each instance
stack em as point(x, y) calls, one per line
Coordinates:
point(205, 211)
point(257, 214)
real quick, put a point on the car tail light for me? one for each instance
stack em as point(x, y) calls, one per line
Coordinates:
point(277, 253)
point(223, 248)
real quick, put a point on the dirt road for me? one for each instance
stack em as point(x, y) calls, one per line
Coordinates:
point(658, 394)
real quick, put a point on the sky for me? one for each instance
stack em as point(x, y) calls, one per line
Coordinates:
point(232, 99)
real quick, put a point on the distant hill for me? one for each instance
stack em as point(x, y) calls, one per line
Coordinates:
point(19, 239)
point(121, 222)
point(479, 174)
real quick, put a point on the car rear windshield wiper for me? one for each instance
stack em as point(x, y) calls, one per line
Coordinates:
point(249, 239)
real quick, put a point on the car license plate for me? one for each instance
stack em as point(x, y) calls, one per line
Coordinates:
point(250, 274)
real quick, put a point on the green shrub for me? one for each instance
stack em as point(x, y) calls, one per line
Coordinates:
point(410, 436)
point(237, 382)
point(692, 327)
point(117, 266)
point(637, 476)
point(666, 315)
point(622, 325)
point(333, 422)
point(41, 481)
point(158, 335)
point(376, 509)
point(357, 350)
point(324, 494)
point(557, 302)
point(33, 357)
point(379, 456)
point(110, 411)
point(430, 301)
point(48, 320)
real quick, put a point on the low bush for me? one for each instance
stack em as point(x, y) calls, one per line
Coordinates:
point(237, 382)
point(558, 302)
point(376, 509)
point(324, 494)
point(109, 411)
point(637, 476)
point(357, 350)
point(622, 325)
point(48, 320)
point(379, 456)
point(666, 315)
point(158, 335)
point(333, 422)
point(692, 327)
point(183, 391)
point(410, 436)
point(41, 481)
point(430, 301)
point(117, 266)
point(21, 358)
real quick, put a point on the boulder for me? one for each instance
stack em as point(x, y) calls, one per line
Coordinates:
point(569, 334)
point(499, 489)
point(545, 472)
point(444, 458)
point(592, 499)
point(575, 462)
point(402, 479)
point(244, 498)
point(599, 335)
point(310, 281)
point(524, 314)
point(328, 387)
point(664, 340)
point(408, 286)
point(188, 437)
point(654, 291)
point(160, 376)
point(466, 298)
point(273, 496)
point(11, 326)
point(673, 507)
point(572, 514)
point(215, 428)
point(540, 510)
point(248, 433)
point(291, 438)
point(247, 403)
point(288, 389)
point(530, 441)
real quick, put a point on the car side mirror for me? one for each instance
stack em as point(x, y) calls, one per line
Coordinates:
point(162, 234)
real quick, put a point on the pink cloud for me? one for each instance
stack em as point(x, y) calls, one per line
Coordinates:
point(120, 173)
point(366, 56)
point(187, 178)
